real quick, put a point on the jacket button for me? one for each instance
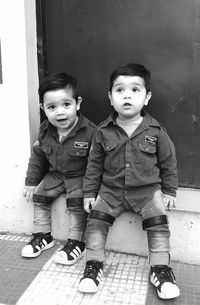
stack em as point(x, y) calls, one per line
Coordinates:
point(127, 164)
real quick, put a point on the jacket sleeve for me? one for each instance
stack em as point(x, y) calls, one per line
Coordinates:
point(93, 177)
point(167, 164)
point(37, 166)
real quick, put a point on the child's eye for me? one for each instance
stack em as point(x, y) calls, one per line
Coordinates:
point(120, 90)
point(66, 104)
point(51, 107)
point(135, 89)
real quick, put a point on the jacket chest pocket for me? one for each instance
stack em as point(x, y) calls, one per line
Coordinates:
point(148, 157)
point(50, 152)
point(78, 152)
point(112, 155)
point(77, 159)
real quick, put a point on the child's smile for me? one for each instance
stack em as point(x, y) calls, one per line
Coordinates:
point(62, 121)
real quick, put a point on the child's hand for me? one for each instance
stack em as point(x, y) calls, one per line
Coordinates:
point(169, 201)
point(88, 204)
point(28, 192)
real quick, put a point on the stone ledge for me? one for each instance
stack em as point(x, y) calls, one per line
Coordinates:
point(188, 200)
point(126, 235)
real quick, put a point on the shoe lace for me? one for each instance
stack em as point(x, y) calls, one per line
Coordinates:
point(92, 269)
point(37, 240)
point(165, 274)
point(69, 246)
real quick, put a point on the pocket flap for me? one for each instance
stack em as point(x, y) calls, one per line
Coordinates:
point(108, 146)
point(78, 152)
point(147, 148)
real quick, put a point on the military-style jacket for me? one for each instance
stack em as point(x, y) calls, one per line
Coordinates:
point(56, 161)
point(132, 167)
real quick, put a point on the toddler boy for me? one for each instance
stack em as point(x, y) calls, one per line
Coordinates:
point(131, 167)
point(57, 165)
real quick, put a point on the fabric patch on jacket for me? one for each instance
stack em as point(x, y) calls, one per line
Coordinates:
point(150, 140)
point(81, 144)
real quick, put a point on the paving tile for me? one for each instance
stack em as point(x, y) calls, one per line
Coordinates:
point(125, 281)
point(16, 273)
point(60, 283)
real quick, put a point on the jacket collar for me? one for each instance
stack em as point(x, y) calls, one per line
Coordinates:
point(147, 121)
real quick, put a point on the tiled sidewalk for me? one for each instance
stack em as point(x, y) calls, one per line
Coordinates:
point(40, 281)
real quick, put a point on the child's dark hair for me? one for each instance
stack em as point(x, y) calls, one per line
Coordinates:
point(131, 70)
point(57, 81)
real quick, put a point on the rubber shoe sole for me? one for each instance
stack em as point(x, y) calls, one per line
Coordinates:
point(61, 258)
point(87, 285)
point(26, 251)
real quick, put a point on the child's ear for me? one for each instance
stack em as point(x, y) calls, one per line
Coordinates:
point(78, 102)
point(41, 106)
point(110, 97)
point(148, 96)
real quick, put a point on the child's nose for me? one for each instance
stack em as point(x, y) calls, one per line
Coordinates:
point(60, 110)
point(127, 93)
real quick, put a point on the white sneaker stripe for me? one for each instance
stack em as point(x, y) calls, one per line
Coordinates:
point(73, 255)
point(99, 275)
point(156, 281)
point(38, 248)
point(44, 243)
point(76, 252)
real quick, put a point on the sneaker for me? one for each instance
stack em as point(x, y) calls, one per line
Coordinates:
point(91, 277)
point(70, 253)
point(163, 278)
point(39, 243)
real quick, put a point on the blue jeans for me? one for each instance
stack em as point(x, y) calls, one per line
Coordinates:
point(157, 235)
point(43, 198)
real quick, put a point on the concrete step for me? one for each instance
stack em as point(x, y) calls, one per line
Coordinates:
point(126, 235)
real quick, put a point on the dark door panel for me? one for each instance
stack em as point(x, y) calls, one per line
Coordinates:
point(90, 38)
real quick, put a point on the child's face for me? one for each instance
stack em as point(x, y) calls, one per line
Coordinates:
point(61, 108)
point(128, 96)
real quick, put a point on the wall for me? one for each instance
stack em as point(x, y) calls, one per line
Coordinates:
point(19, 109)
point(93, 37)
point(18, 99)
